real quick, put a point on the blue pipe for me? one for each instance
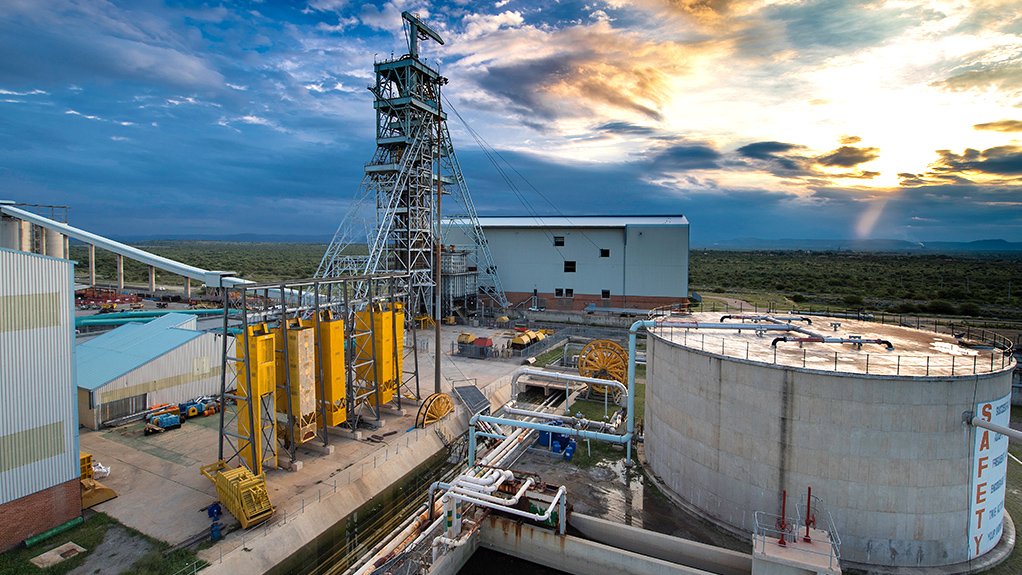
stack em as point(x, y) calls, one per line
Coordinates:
point(632, 331)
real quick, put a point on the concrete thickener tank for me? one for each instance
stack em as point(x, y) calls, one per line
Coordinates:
point(733, 418)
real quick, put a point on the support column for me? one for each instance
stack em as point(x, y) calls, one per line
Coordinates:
point(188, 288)
point(152, 280)
point(92, 265)
point(120, 272)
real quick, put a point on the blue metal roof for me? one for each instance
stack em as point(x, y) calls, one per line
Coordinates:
point(115, 353)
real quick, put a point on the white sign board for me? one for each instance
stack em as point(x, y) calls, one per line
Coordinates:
point(989, 471)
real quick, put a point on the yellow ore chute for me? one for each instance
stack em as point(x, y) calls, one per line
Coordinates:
point(331, 352)
point(389, 333)
point(261, 360)
point(300, 371)
point(242, 492)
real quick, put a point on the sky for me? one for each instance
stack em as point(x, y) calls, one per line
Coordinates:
point(754, 118)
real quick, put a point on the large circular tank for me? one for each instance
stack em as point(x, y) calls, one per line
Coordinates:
point(731, 421)
point(54, 243)
point(10, 233)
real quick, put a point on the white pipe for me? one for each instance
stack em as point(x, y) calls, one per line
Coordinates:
point(561, 492)
point(970, 418)
point(567, 378)
point(493, 499)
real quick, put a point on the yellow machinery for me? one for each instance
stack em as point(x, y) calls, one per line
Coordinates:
point(389, 332)
point(526, 338)
point(331, 342)
point(300, 371)
point(243, 493)
point(262, 365)
point(93, 492)
point(433, 409)
point(603, 359)
point(466, 337)
point(424, 321)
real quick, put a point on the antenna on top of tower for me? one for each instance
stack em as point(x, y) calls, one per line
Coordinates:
point(419, 30)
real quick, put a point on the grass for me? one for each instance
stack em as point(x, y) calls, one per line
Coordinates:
point(550, 356)
point(89, 535)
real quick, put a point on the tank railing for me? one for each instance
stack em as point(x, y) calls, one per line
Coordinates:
point(767, 531)
point(819, 512)
point(844, 359)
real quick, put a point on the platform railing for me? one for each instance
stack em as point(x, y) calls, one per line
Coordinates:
point(988, 352)
point(769, 529)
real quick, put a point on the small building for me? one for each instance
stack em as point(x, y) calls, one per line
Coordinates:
point(124, 371)
point(39, 464)
point(570, 262)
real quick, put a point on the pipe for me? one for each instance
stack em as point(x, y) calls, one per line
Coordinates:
point(581, 433)
point(970, 418)
point(773, 318)
point(566, 377)
point(545, 516)
point(461, 490)
point(630, 429)
point(573, 420)
point(36, 539)
point(820, 339)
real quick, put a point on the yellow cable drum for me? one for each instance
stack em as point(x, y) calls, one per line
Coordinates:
point(433, 409)
point(603, 359)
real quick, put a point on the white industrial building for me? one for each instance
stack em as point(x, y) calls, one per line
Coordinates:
point(124, 371)
point(574, 261)
point(39, 464)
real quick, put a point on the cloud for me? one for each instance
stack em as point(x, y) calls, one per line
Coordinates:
point(25, 93)
point(848, 156)
point(1001, 126)
point(997, 166)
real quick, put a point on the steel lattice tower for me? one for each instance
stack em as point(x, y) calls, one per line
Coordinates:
point(413, 149)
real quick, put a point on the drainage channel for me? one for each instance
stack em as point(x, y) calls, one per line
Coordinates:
point(336, 550)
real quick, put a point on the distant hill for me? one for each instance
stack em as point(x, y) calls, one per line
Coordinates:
point(238, 238)
point(757, 244)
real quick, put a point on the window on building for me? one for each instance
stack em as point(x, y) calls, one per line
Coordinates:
point(558, 241)
point(559, 292)
point(569, 267)
point(568, 292)
point(604, 253)
point(605, 294)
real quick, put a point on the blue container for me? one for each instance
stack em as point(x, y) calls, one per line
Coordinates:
point(569, 451)
point(544, 438)
point(556, 446)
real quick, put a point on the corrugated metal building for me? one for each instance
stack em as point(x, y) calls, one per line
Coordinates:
point(137, 365)
point(573, 261)
point(39, 465)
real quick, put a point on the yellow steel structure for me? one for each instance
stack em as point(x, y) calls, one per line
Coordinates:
point(300, 371)
point(603, 359)
point(433, 409)
point(389, 336)
point(331, 351)
point(242, 492)
point(93, 492)
point(262, 365)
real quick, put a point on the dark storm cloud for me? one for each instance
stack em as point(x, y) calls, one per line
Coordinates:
point(765, 150)
point(1001, 126)
point(1005, 161)
point(625, 128)
point(848, 156)
point(686, 157)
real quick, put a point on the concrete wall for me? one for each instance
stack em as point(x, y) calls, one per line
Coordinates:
point(889, 456)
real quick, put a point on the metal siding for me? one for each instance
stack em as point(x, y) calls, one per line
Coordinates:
point(36, 374)
point(196, 363)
